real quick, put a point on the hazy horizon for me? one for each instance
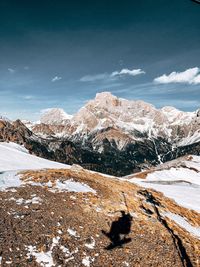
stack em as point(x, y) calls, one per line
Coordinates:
point(42, 111)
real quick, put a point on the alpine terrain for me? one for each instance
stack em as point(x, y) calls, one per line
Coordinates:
point(52, 214)
point(55, 212)
point(109, 134)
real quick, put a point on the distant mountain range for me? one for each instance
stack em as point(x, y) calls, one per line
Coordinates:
point(109, 134)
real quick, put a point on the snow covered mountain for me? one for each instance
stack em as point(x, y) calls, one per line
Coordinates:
point(124, 121)
point(110, 135)
point(131, 117)
point(55, 116)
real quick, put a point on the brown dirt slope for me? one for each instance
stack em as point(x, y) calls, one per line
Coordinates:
point(65, 228)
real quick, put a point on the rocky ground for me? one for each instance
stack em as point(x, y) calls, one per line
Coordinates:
point(43, 226)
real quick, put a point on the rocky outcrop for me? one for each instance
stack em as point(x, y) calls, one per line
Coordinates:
point(14, 131)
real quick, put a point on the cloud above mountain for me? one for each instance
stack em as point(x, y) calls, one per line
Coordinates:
point(112, 76)
point(189, 76)
point(127, 72)
point(11, 70)
point(28, 97)
point(56, 78)
point(95, 77)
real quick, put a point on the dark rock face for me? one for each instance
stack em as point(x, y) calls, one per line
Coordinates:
point(132, 158)
point(15, 132)
point(193, 149)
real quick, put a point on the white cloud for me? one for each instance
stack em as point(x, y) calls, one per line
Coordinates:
point(196, 79)
point(11, 70)
point(128, 72)
point(189, 76)
point(56, 78)
point(111, 76)
point(28, 97)
point(92, 78)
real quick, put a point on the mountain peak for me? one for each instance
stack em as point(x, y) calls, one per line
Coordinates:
point(106, 99)
point(55, 116)
point(103, 95)
point(3, 118)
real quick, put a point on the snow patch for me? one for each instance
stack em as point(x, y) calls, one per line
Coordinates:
point(9, 179)
point(16, 157)
point(45, 259)
point(67, 185)
point(182, 222)
point(72, 232)
point(34, 200)
point(191, 139)
point(87, 260)
point(180, 184)
point(73, 186)
point(91, 245)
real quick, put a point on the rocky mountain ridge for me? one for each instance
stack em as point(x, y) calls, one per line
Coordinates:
point(110, 135)
point(133, 120)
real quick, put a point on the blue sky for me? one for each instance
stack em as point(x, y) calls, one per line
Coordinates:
point(61, 53)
